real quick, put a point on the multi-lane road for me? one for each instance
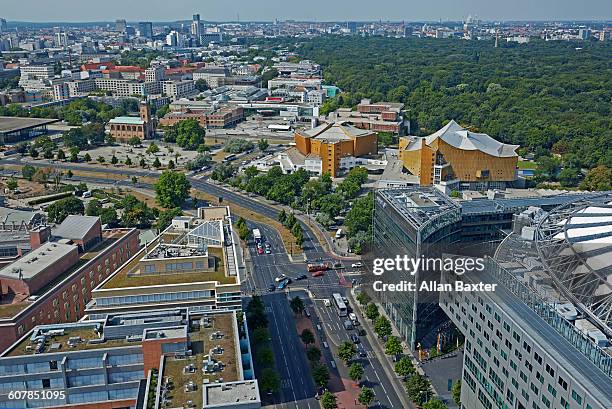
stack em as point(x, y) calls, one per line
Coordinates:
point(264, 269)
point(297, 387)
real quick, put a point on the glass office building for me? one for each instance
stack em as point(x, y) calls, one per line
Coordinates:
point(415, 222)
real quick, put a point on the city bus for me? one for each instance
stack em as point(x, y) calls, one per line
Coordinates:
point(229, 158)
point(340, 305)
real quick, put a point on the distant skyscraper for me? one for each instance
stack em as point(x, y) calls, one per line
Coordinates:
point(407, 31)
point(584, 33)
point(61, 39)
point(351, 26)
point(3, 26)
point(146, 29)
point(174, 39)
point(196, 27)
point(120, 26)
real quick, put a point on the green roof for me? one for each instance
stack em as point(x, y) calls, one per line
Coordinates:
point(131, 120)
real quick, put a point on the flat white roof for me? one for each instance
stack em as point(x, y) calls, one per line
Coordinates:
point(38, 260)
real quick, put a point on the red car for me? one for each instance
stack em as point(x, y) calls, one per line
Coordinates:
point(318, 274)
point(260, 250)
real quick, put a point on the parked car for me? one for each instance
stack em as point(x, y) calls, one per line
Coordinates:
point(301, 277)
point(358, 264)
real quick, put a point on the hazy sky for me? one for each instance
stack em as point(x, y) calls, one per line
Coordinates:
point(320, 10)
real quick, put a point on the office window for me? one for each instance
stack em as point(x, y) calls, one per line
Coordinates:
point(563, 383)
point(576, 397)
point(537, 357)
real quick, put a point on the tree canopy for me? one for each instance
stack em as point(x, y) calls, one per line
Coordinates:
point(62, 208)
point(188, 134)
point(544, 94)
point(172, 189)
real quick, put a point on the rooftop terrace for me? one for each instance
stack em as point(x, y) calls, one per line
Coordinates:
point(131, 276)
point(187, 374)
point(82, 336)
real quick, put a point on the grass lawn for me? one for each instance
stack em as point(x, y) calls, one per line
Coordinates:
point(523, 164)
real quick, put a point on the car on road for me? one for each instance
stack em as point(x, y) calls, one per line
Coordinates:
point(361, 332)
point(353, 317)
point(318, 274)
point(301, 277)
point(268, 251)
point(326, 302)
point(337, 265)
point(361, 351)
point(355, 339)
point(260, 250)
point(280, 278)
point(283, 284)
point(271, 288)
point(358, 264)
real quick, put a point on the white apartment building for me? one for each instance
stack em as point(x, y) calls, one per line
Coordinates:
point(178, 89)
point(35, 77)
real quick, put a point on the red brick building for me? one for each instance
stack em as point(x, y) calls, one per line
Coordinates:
point(62, 298)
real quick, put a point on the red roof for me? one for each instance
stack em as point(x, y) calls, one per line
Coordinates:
point(96, 66)
point(127, 68)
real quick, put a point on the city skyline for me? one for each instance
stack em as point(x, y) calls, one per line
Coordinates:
point(156, 10)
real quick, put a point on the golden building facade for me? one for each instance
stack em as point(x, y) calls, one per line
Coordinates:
point(332, 142)
point(454, 154)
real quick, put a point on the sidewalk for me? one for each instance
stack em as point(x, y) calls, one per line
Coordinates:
point(346, 390)
point(377, 347)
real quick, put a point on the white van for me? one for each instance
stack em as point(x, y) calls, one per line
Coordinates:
point(339, 233)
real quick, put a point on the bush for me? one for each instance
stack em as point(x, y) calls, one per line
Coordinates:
point(238, 146)
point(50, 198)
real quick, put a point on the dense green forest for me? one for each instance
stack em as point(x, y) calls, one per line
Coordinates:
point(545, 96)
